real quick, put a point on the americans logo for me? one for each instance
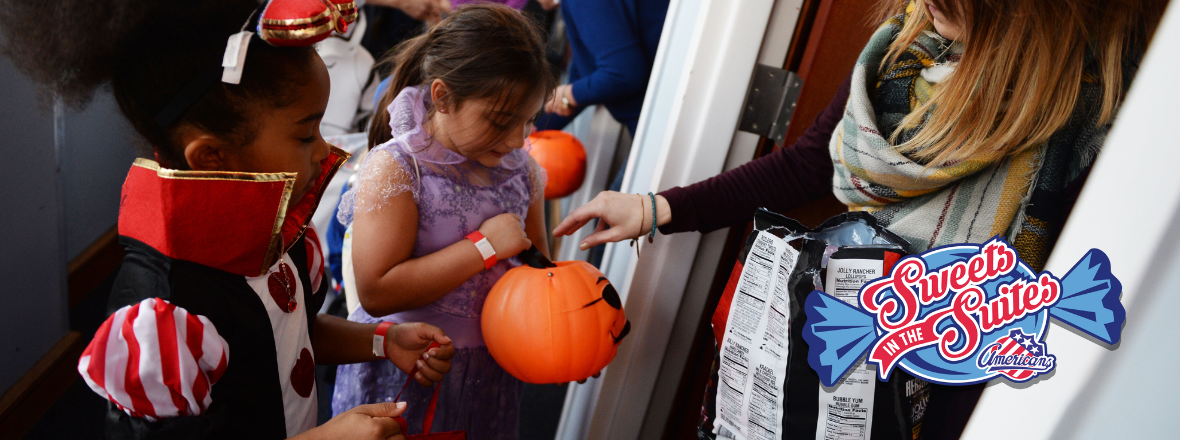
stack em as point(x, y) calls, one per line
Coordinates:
point(1017, 356)
point(962, 314)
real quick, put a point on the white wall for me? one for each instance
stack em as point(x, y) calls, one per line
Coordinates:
point(32, 251)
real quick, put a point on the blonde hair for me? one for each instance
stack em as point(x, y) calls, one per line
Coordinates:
point(1021, 71)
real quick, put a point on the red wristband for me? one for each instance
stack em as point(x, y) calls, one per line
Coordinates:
point(379, 340)
point(485, 249)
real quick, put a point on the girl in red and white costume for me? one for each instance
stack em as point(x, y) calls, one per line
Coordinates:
point(213, 330)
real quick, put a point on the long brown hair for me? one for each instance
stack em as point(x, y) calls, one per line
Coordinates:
point(1022, 70)
point(479, 52)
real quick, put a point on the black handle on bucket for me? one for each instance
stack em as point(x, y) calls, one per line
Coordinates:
point(534, 258)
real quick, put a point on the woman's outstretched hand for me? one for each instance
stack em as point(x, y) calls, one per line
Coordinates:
point(627, 215)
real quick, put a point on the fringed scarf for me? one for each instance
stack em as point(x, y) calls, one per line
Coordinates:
point(1020, 197)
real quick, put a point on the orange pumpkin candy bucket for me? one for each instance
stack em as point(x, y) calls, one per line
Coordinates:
point(553, 323)
point(564, 159)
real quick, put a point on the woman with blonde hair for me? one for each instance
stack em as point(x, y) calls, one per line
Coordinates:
point(962, 120)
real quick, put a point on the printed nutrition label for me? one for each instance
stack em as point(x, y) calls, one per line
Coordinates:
point(847, 419)
point(846, 409)
point(754, 348)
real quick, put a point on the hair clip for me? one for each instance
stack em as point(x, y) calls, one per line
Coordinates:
point(233, 62)
point(289, 23)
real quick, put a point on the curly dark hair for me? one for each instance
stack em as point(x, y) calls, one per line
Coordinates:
point(147, 51)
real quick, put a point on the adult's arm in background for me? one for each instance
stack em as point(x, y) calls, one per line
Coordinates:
point(621, 69)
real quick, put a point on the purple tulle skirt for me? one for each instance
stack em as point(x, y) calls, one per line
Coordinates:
point(477, 395)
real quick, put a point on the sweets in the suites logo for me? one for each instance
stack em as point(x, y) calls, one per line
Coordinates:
point(962, 314)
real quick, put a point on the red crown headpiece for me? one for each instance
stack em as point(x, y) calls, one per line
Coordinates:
point(304, 22)
point(290, 23)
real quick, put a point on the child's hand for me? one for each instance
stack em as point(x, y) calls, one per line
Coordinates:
point(506, 234)
point(549, 5)
point(599, 373)
point(407, 346)
point(365, 422)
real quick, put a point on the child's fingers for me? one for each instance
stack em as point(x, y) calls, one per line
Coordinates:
point(429, 373)
point(437, 364)
point(427, 333)
point(599, 373)
point(382, 409)
point(422, 380)
point(442, 353)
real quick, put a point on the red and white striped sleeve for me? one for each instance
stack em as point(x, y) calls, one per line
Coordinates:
point(155, 360)
point(315, 258)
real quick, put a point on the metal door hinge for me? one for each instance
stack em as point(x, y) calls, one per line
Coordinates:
point(770, 102)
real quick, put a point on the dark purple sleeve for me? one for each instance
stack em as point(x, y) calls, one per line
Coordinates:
point(778, 181)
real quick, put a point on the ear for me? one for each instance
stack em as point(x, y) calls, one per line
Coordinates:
point(205, 153)
point(438, 94)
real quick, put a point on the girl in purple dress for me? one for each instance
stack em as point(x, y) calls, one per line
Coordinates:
point(443, 203)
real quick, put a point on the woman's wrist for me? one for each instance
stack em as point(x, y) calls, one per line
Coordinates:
point(644, 223)
point(663, 211)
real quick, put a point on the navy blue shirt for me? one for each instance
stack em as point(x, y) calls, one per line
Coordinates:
point(613, 45)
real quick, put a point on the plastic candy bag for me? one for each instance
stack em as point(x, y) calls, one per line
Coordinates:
point(761, 385)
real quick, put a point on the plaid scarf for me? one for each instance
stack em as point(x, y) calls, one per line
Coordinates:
point(1020, 197)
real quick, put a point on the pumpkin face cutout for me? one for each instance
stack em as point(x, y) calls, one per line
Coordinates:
point(563, 158)
point(553, 323)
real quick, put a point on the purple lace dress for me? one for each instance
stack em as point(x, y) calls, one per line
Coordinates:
point(454, 197)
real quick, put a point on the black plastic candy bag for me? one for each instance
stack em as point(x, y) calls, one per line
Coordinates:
point(761, 386)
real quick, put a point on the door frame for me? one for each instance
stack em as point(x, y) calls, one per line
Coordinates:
point(703, 69)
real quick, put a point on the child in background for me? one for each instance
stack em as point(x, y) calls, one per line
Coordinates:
point(448, 170)
point(213, 331)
